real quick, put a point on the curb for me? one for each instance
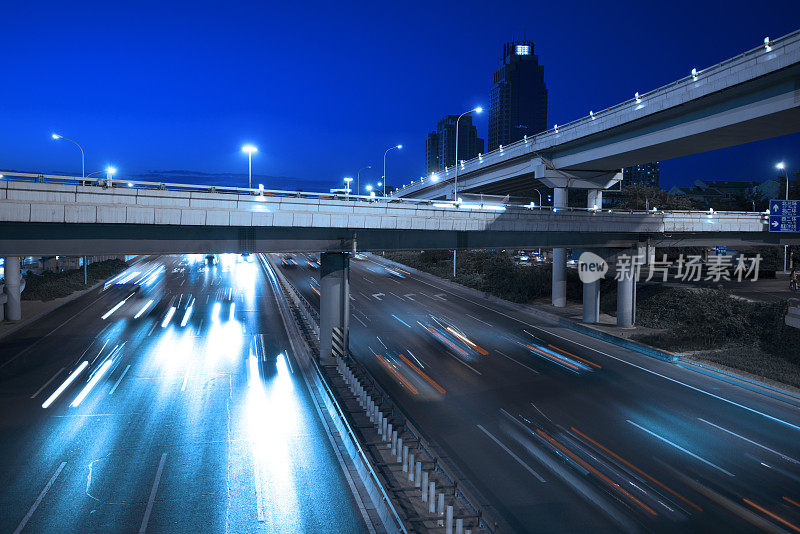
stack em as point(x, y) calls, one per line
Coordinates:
point(543, 314)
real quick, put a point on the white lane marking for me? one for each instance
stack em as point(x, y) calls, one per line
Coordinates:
point(396, 295)
point(152, 328)
point(38, 500)
point(153, 491)
point(119, 380)
point(693, 455)
point(531, 369)
point(48, 382)
point(479, 320)
point(382, 343)
point(359, 320)
point(185, 378)
point(787, 458)
point(511, 453)
point(459, 360)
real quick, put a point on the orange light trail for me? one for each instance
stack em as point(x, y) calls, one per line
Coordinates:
point(773, 516)
point(596, 472)
point(574, 356)
point(439, 388)
point(684, 499)
point(554, 357)
point(392, 370)
point(450, 343)
point(787, 499)
point(467, 341)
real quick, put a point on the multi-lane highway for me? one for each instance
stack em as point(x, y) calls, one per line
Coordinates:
point(167, 402)
point(557, 431)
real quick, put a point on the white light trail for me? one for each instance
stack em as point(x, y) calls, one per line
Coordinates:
point(187, 315)
point(215, 312)
point(112, 310)
point(233, 307)
point(70, 379)
point(144, 309)
point(168, 317)
point(94, 380)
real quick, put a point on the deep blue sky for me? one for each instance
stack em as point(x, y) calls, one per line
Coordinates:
point(323, 88)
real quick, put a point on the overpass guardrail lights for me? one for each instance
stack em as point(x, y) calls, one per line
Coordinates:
point(261, 194)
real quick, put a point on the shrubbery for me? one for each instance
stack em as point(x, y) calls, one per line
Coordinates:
point(50, 285)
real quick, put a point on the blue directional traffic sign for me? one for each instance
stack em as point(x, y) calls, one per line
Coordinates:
point(784, 215)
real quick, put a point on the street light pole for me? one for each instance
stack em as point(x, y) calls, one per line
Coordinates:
point(83, 159)
point(782, 167)
point(455, 179)
point(384, 165)
point(249, 149)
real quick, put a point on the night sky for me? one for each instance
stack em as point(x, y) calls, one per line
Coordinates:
point(323, 89)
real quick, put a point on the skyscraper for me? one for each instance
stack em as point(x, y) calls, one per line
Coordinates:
point(440, 147)
point(518, 102)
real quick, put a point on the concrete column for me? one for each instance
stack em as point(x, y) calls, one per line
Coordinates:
point(626, 301)
point(591, 302)
point(559, 291)
point(13, 305)
point(334, 303)
point(594, 199)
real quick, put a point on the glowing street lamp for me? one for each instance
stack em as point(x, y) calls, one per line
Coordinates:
point(397, 147)
point(347, 181)
point(249, 149)
point(83, 164)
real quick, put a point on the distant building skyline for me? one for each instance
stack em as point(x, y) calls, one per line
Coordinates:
point(440, 145)
point(518, 98)
point(648, 174)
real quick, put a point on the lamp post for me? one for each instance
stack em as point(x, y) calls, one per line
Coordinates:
point(455, 177)
point(358, 178)
point(249, 149)
point(83, 159)
point(781, 166)
point(398, 147)
point(347, 182)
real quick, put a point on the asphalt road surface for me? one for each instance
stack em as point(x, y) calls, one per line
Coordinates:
point(131, 417)
point(556, 431)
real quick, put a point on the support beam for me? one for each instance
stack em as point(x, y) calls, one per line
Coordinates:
point(13, 306)
point(334, 300)
point(559, 291)
point(594, 200)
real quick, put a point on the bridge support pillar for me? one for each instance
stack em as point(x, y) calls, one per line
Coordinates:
point(591, 302)
point(334, 302)
point(559, 291)
point(12, 290)
point(594, 199)
point(626, 300)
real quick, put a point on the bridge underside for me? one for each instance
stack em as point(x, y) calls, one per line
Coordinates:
point(24, 239)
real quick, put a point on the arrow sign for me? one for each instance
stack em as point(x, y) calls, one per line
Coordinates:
point(409, 296)
point(378, 296)
point(775, 224)
point(440, 296)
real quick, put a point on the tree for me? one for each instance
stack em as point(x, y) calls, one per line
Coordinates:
point(639, 197)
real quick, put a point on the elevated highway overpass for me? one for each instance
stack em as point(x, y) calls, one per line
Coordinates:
point(750, 97)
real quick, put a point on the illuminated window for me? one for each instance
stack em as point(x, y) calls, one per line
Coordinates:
point(523, 50)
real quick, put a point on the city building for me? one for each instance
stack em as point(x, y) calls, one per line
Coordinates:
point(440, 147)
point(518, 100)
point(728, 194)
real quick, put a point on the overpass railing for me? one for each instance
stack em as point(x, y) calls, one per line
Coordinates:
point(472, 203)
point(547, 138)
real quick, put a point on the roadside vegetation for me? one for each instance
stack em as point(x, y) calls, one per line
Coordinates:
point(704, 323)
point(50, 285)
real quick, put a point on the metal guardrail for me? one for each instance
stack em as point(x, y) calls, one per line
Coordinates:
point(265, 194)
point(769, 47)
